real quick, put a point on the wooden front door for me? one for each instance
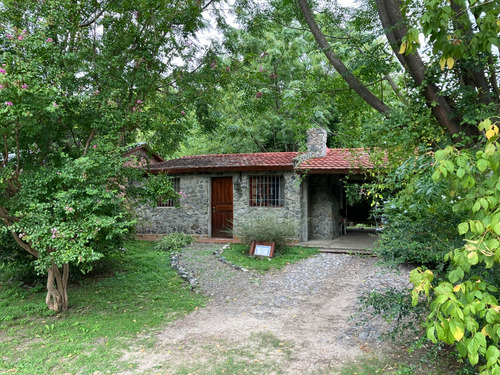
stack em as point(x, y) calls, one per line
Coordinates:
point(222, 207)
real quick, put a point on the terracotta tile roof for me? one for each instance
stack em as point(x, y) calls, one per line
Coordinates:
point(228, 162)
point(336, 161)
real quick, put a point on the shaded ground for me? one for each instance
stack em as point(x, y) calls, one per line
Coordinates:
point(357, 241)
point(294, 321)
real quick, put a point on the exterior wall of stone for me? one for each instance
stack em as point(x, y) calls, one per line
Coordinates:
point(323, 207)
point(191, 217)
point(193, 214)
point(291, 209)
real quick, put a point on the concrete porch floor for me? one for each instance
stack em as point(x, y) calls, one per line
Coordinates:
point(359, 241)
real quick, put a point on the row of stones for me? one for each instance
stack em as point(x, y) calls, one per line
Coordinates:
point(218, 255)
point(189, 276)
point(182, 272)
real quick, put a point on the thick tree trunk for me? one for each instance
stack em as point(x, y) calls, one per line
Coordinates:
point(395, 29)
point(57, 283)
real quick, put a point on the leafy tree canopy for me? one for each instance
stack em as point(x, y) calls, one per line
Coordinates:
point(265, 84)
point(79, 83)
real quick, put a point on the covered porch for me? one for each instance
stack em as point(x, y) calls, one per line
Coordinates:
point(356, 241)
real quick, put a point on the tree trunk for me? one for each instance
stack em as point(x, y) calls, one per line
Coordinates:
point(395, 29)
point(57, 283)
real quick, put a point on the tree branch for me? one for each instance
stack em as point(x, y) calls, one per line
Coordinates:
point(87, 145)
point(339, 66)
point(24, 245)
point(394, 27)
point(308, 30)
point(95, 18)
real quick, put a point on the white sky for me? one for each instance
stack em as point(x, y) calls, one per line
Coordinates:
point(206, 36)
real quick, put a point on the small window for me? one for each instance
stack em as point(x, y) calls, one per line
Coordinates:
point(267, 191)
point(162, 202)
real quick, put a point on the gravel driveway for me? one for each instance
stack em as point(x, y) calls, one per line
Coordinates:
point(293, 321)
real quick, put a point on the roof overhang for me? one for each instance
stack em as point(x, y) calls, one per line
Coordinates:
point(221, 169)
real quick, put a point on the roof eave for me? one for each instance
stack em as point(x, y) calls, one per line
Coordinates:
point(220, 169)
point(330, 171)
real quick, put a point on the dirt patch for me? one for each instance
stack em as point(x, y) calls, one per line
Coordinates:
point(293, 321)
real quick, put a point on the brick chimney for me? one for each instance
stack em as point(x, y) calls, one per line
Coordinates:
point(316, 145)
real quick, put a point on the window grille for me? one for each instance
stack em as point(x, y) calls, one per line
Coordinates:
point(163, 202)
point(267, 191)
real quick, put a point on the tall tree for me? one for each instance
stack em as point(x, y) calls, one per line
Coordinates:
point(461, 35)
point(79, 81)
point(263, 86)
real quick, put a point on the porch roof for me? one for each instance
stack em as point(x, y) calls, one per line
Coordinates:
point(336, 161)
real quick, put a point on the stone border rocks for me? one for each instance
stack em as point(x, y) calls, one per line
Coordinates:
point(181, 271)
point(218, 255)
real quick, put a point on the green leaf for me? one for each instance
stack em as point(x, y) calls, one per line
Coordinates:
point(484, 203)
point(449, 165)
point(473, 258)
point(473, 358)
point(439, 155)
point(496, 227)
point(453, 276)
point(476, 207)
point(491, 316)
point(462, 349)
point(436, 176)
point(460, 172)
point(431, 334)
point(463, 228)
point(462, 161)
point(482, 164)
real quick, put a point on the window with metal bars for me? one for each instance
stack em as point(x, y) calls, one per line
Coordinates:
point(165, 202)
point(267, 191)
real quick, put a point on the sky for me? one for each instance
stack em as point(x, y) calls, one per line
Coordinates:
point(205, 37)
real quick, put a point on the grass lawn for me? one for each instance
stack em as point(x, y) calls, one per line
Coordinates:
point(238, 254)
point(122, 299)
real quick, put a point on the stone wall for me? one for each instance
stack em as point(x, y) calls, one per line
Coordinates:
point(191, 217)
point(193, 214)
point(323, 207)
point(291, 209)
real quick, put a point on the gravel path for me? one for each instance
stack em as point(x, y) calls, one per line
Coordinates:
point(304, 309)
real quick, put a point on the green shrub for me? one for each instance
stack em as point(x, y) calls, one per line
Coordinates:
point(16, 263)
point(174, 241)
point(420, 224)
point(268, 228)
point(393, 305)
point(420, 233)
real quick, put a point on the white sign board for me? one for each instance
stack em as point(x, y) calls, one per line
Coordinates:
point(262, 250)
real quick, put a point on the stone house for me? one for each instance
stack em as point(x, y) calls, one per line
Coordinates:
point(218, 192)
